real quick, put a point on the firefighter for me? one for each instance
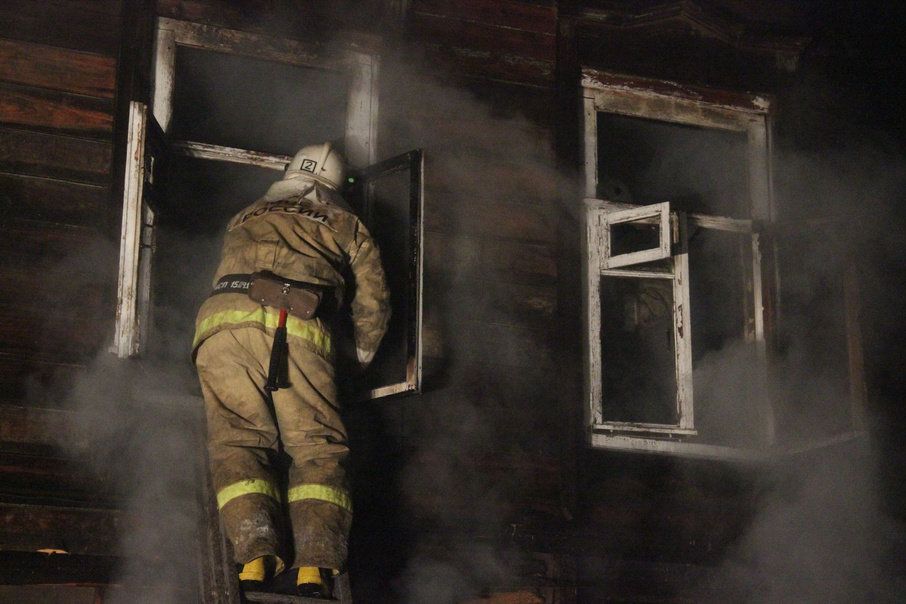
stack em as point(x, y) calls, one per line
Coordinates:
point(291, 249)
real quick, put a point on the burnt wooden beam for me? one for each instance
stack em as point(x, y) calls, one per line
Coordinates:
point(528, 222)
point(32, 568)
point(84, 25)
point(46, 155)
point(55, 112)
point(60, 69)
point(79, 531)
point(516, 262)
point(53, 201)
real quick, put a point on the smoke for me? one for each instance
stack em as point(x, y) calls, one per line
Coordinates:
point(139, 432)
point(134, 427)
point(824, 530)
point(491, 176)
point(818, 537)
point(136, 430)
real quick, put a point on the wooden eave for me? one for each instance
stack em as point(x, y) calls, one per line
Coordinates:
point(689, 17)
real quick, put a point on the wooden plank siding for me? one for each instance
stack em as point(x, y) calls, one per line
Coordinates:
point(58, 64)
point(23, 379)
point(56, 125)
point(81, 25)
point(77, 530)
point(64, 70)
point(47, 199)
point(55, 111)
point(504, 40)
point(48, 155)
point(491, 337)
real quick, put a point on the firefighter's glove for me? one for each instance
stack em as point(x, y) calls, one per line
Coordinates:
point(365, 356)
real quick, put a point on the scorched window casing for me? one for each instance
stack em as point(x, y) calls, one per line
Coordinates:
point(218, 162)
point(626, 283)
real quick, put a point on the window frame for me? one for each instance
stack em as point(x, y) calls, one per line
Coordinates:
point(134, 283)
point(668, 102)
point(413, 162)
point(599, 215)
point(363, 66)
point(360, 144)
point(136, 240)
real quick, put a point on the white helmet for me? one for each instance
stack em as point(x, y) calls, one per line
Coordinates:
point(320, 162)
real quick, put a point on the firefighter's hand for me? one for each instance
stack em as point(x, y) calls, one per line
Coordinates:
point(365, 357)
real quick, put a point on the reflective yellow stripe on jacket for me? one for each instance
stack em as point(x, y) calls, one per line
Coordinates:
point(246, 487)
point(306, 330)
point(322, 492)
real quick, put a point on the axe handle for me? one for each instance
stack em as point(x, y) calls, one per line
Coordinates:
point(277, 353)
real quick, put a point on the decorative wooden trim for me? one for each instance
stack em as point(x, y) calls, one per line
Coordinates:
point(700, 21)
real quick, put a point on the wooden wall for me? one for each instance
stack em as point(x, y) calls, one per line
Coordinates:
point(58, 64)
point(482, 449)
point(502, 299)
point(57, 85)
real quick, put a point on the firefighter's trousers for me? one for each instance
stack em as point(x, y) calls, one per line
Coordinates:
point(245, 435)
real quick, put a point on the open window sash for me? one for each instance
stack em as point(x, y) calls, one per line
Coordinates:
point(146, 154)
point(390, 195)
point(637, 285)
point(653, 220)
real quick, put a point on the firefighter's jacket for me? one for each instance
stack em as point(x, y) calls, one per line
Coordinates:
point(303, 231)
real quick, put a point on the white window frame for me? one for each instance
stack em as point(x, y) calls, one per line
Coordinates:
point(134, 292)
point(656, 213)
point(671, 103)
point(599, 216)
point(136, 242)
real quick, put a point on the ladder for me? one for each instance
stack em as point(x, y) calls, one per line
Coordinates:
point(341, 594)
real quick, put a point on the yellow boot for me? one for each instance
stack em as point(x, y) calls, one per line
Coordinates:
point(255, 573)
point(314, 582)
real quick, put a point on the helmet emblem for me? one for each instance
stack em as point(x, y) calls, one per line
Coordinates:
point(309, 165)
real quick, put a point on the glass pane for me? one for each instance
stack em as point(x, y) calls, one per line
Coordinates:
point(697, 169)
point(637, 350)
point(247, 103)
point(718, 268)
point(634, 236)
point(389, 222)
